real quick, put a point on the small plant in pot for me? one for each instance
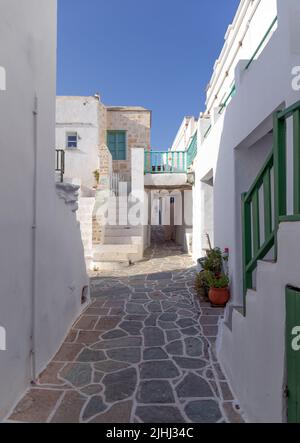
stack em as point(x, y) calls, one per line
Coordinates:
point(219, 293)
point(201, 285)
point(212, 263)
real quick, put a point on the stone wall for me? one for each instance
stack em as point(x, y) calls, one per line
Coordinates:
point(106, 167)
point(137, 124)
point(97, 231)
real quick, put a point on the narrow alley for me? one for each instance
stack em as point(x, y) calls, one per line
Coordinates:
point(143, 352)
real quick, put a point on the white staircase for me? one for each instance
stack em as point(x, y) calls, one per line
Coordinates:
point(122, 243)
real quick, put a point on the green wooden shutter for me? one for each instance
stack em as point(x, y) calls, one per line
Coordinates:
point(293, 353)
point(116, 142)
point(111, 143)
point(121, 145)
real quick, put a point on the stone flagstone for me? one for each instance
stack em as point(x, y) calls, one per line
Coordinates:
point(138, 353)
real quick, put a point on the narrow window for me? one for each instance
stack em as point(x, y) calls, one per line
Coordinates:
point(72, 140)
point(116, 142)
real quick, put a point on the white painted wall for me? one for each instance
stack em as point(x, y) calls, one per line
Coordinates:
point(165, 180)
point(250, 24)
point(29, 57)
point(185, 134)
point(253, 354)
point(248, 115)
point(235, 149)
point(81, 115)
point(184, 232)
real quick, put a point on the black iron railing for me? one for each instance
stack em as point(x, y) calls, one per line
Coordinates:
point(60, 163)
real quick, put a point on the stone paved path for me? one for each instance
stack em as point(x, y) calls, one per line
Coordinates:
point(141, 353)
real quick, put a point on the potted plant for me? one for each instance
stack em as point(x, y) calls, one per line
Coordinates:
point(212, 275)
point(201, 285)
point(219, 293)
point(213, 262)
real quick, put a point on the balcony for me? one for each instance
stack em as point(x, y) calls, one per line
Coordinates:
point(171, 162)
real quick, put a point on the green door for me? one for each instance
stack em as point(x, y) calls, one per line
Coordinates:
point(293, 353)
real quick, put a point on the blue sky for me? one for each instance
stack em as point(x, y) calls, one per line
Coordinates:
point(154, 53)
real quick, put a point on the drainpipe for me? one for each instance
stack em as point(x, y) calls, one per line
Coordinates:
point(34, 245)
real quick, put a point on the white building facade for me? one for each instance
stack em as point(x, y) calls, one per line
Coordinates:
point(103, 147)
point(237, 136)
point(43, 281)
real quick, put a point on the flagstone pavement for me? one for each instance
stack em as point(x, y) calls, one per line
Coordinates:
point(143, 352)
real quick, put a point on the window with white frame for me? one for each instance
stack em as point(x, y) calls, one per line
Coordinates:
point(72, 140)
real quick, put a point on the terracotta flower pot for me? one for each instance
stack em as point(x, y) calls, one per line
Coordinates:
point(219, 297)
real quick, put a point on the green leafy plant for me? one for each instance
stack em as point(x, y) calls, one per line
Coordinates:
point(213, 261)
point(213, 275)
point(97, 176)
point(201, 285)
point(219, 281)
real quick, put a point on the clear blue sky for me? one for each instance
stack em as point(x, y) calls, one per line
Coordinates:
point(154, 53)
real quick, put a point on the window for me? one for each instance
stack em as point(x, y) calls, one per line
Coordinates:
point(72, 140)
point(116, 142)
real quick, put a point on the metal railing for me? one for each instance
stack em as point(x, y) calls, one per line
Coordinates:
point(162, 162)
point(228, 97)
point(256, 246)
point(116, 179)
point(208, 131)
point(261, 43)
point(192, 150)
point(270, 188)
point(232, 92)
point(60, 163)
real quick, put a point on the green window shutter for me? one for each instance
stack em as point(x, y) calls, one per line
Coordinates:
point(116, 142)
point(121, 145)
point(293, 353)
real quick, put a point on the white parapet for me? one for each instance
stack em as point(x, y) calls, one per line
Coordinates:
point(165, 180)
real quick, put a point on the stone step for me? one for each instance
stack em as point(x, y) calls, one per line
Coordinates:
point(111, 240)
point(109, 266)
point(122, 231)
point(109, 253)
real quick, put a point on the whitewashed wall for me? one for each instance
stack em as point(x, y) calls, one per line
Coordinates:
point(29, 57)
point(243, 36)
point(185, 134)
point(81, 115)
point(235, 150)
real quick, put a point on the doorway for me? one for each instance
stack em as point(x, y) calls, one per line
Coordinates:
point(293, 353)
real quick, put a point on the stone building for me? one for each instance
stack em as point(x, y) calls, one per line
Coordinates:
point(85, 127)
point(98, 143)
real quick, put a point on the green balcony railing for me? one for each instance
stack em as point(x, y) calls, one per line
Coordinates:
point(192, 150)
point(207, 132)
point(261, 43)
point(162, 162)
point(165, 162)
point(256, 245)
point(280, 156)
point(227, 99)
point(269, 191)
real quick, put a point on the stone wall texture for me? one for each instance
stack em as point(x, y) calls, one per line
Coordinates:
point(137, 124)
